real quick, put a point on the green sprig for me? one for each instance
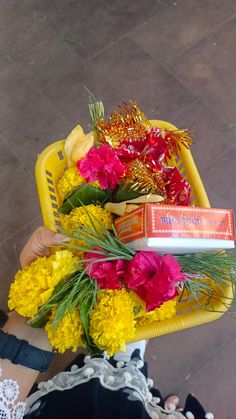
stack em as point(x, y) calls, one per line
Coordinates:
point(220, 266)
point(92, 236)
point(96, 111)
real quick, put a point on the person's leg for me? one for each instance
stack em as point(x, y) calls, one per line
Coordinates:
point(172, 402)
point(130, 348)
point(194, 406)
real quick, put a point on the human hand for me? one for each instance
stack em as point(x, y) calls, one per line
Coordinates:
point(39, 243)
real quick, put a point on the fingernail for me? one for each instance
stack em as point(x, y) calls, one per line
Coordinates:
point(60, 238)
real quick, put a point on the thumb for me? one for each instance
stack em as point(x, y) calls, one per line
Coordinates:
point(46, 238)
point(39, 243)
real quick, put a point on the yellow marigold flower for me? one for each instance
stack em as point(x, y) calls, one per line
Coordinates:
point(34, 285)
point(82, 215)
point(139, 304)
point(68, 334)
point(70, 180)
point(112, 320)
point(165, 311)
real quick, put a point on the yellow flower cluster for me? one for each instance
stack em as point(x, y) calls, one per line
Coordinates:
point(112, 320)
point(68, 334)
point(70, 180)
point(166, 311)
point(83, 215)
point(34, 285)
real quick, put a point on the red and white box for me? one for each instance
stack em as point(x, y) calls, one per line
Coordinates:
point(176, 229)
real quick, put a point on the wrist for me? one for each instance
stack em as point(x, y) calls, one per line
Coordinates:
point(17, 326)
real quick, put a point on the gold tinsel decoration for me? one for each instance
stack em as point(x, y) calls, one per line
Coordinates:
point(175, 139)
point(140, 178)
point(128, 123)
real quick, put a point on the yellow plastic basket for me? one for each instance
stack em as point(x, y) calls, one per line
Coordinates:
point(50, 166)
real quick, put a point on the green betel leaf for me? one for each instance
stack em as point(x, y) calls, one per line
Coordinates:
point(84, 195)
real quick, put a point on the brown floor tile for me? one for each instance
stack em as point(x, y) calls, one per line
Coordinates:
point(10, 9)
point(179, 27)
point(220, 182)
point(159, 94)
point(70, 97)
point(6, 277)
point(211, 137)
point(225, 37)
point(19, 204)
point(30, 126)
point(209, 72)
point(168, 3)
point(174, 358)
point(90, 26)
point(14, 86)
point(7, 158)
point(214, 383)
point(21, 33)
point(45, 63)
point(10, 251)
point(13, 246)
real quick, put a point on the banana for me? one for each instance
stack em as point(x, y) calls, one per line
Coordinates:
point(81, 148)
point(76, 136)
point(77, 144)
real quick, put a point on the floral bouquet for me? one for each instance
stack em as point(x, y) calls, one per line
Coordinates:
point(96, 290)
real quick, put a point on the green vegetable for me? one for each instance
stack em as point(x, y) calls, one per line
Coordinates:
point(84, 195)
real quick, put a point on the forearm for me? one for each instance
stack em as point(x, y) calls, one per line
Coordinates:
point(25, 377)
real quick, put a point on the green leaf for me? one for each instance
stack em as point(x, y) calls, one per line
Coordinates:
point(60, 292)
point(85, 308)
point(84, 195)
point(40, 319)
point(124, 194)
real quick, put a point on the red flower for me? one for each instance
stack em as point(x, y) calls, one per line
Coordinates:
point(153, 277)
point(107, 273)
point(101, 164)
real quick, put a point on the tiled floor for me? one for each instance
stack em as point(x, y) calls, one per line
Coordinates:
point(178, 60)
